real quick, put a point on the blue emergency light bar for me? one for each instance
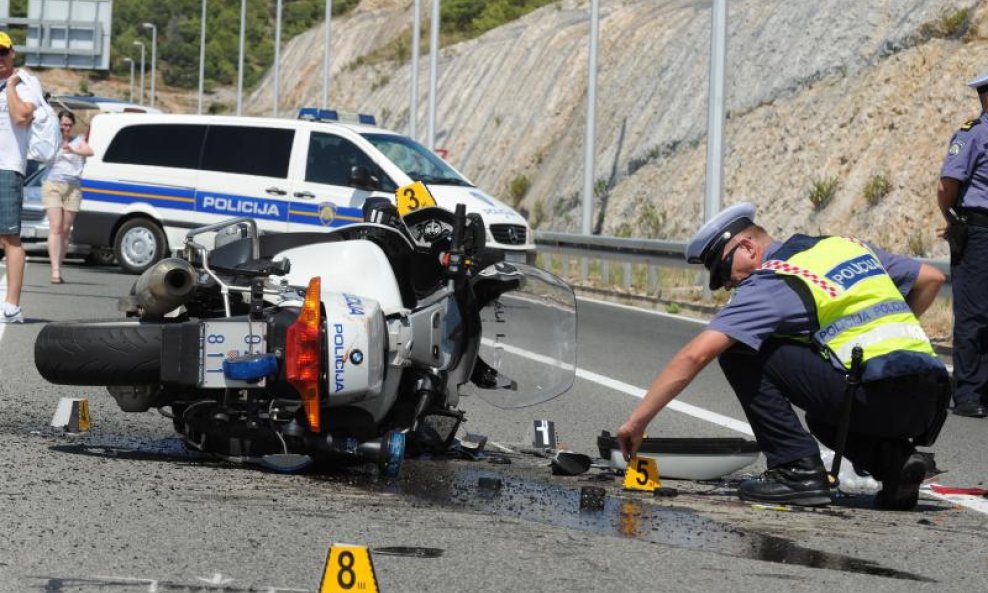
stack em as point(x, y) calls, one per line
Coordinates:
point(331, 115)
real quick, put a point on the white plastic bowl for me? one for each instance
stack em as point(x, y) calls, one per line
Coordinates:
point(687, 459)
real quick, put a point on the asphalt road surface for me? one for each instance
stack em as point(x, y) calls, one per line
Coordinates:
point(128, 508)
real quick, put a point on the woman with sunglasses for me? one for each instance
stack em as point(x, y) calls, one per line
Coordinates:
point(60, 193)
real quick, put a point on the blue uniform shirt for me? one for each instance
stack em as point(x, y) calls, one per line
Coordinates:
point(765, 305)
point(967, 162)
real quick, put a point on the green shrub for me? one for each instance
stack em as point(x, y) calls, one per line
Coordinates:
point(917, 243)
point(822, 191)
point(877, 188)
point(953, 23)
point(538, 214)
point(672, 308)
point(518, 188)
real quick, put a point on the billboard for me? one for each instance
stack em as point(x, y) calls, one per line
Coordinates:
point(67, 33)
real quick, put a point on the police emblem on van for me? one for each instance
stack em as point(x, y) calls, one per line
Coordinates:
point(327, 213)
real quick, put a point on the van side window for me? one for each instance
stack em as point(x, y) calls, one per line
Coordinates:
point(248, 150)
point(159, 145)
point(331, 158)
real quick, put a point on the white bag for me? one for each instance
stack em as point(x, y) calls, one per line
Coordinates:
point(45, 138)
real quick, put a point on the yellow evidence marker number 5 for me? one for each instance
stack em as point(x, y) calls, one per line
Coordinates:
point(412, 197)
point(642, 474)
point(348, 568)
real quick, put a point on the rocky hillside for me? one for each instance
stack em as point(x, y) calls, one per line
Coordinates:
point(854, 101)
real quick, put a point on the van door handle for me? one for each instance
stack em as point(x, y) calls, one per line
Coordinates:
point(275, 191)
point(304, 194)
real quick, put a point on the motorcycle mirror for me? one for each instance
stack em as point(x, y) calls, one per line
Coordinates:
point(361, 178)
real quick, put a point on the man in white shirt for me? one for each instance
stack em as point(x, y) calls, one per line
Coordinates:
point(17, 104)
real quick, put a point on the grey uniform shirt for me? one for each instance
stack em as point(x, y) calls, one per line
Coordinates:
point(967, 162)
point(765, 305)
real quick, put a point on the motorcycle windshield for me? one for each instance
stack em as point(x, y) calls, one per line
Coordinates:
point(529, 337)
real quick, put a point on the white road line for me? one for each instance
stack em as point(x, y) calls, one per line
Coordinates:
point(647, 311)
point(682, 407)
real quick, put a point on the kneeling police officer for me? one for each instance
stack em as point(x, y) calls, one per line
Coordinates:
point(786, 338)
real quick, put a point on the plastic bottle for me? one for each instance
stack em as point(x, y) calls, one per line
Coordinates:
point(850, 481)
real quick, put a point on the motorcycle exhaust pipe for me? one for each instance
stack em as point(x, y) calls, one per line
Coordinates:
point(164, 287)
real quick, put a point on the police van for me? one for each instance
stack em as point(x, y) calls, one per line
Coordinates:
point(154, 177)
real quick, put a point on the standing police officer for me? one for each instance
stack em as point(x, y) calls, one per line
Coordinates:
point(962, 195)
point(787, 337)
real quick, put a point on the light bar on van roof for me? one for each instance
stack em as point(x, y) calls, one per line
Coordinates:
point(316, 114)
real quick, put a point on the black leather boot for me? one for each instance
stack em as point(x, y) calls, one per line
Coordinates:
point(802, 482)
point(901, 470)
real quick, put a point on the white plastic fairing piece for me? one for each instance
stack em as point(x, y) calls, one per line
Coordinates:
point(351, 267)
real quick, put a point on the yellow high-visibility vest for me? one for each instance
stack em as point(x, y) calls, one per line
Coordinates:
point(857, 302)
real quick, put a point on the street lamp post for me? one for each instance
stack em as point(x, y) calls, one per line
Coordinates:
point(277, 59)
point(202, 53)
point(154, 55)
point(413, 100)
point(240, 60)
point(142, 70)
point(130, 93)
point(326, 54)
point(433, 75)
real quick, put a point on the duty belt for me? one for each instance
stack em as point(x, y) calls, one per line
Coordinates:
point(978, 218)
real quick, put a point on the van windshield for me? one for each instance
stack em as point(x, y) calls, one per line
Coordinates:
point(417, 161)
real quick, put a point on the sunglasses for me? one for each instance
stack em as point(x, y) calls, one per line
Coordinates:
point(726, 265)
point(4, 52)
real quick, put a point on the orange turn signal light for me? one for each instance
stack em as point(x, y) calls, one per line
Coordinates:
point(304, 353)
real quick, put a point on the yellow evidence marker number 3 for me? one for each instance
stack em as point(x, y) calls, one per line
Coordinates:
point(412, 197)
point(642, 474)
point(348, 568)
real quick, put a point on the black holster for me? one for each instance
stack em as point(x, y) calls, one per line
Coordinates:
point(957, 237)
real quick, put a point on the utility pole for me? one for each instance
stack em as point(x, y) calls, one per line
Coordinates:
point(130, 92)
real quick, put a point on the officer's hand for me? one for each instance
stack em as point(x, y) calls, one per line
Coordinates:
point(944, 231)
point(629, 438)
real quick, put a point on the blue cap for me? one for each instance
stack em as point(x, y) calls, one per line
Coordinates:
point(707, 245)
point(981, 81)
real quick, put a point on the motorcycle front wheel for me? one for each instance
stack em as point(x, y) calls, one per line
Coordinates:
point(117, 352)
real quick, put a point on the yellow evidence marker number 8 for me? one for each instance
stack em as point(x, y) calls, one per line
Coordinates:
point(412, 197)
point(348, 568)
point(642, 474)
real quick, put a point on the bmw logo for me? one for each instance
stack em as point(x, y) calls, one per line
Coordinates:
point(356, 357)
point(327, 213)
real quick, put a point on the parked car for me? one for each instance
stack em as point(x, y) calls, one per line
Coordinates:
point(153, 177)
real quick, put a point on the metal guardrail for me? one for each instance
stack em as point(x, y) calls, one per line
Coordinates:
point(639, 251)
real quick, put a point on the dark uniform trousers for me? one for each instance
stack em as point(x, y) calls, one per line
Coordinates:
point(969, 284)
point(885, 415)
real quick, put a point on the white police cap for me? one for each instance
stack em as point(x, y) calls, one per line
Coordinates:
point(979, 82)
point(707, 244)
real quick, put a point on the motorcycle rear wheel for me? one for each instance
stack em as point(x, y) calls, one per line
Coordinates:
point(117, 352)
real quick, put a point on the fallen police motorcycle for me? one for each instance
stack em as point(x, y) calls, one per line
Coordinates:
point(334, 348)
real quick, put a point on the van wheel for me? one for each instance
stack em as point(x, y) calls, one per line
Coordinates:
point(139, 244)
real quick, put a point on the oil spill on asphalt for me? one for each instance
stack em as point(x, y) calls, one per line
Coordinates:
point(491, 493)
